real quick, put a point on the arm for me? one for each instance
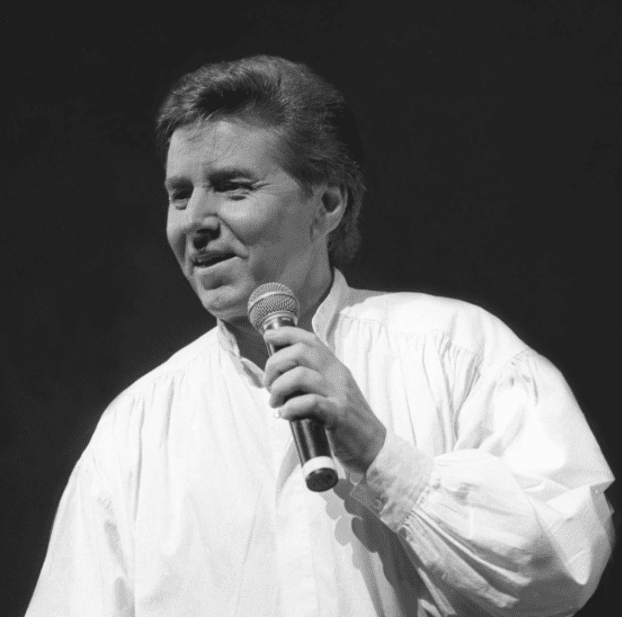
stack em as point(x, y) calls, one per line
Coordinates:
point(85, 571)
point(513, 520)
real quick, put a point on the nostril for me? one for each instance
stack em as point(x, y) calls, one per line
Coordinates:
point(201, 237)
point(200, 242)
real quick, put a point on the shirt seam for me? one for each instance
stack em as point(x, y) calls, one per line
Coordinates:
point(442, 333)
point(496, 368)
point(392, 330)
point(161, 373)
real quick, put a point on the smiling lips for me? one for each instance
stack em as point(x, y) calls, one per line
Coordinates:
point(209, 258)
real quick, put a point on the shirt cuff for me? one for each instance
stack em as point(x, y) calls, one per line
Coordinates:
point(394, 481)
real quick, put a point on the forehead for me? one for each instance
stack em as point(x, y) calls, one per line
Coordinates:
point(222, 143)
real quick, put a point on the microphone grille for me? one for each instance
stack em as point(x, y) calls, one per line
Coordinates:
point(271, 298)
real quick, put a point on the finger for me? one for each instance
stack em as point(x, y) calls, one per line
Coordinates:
point(305, 406)
point(276, 366)
point(288, 335)
point(288, 358)
point(299, 379)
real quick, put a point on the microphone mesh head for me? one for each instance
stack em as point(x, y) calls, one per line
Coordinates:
point(271, 298)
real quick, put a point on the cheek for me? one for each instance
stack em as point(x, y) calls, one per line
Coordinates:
point(281, 228)
point(279, 240)
point(175, 237)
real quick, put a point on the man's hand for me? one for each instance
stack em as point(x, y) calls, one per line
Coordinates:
point(324, 388)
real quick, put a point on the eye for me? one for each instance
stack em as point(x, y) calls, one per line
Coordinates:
point(179, 197)
point(235, 189)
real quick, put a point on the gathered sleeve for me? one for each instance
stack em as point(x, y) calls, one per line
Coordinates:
point(88, 568)
point(513, 520)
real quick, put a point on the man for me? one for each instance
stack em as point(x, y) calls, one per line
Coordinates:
point(469, 481)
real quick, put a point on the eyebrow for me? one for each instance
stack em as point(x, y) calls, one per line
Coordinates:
point(214, 176)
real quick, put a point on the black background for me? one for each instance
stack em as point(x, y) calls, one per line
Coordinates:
point(493, 133)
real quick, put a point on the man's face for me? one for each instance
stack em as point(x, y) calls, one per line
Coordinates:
point(236, 219)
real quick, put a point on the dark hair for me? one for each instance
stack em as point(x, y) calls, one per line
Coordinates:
point(318, 136)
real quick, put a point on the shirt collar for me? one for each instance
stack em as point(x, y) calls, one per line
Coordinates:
point(327, 311)
point(321, 323)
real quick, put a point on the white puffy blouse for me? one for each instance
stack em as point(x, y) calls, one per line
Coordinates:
point(487, 497)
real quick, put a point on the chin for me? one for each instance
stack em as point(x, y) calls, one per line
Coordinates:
point(229, 307)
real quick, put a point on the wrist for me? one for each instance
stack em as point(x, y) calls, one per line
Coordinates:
point(375, 444)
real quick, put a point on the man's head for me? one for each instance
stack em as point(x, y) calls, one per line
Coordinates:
point(317, 138)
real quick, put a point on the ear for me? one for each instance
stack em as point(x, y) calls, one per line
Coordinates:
point(331, 207)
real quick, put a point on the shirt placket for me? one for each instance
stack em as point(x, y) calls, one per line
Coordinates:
point(296, 580)
point(298, 593)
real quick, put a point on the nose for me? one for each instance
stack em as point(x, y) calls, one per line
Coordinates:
point(201, 215)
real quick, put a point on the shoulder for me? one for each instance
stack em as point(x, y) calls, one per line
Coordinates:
point(197, 352)
point(123, 419)
point(423, 317)
point(412, 311)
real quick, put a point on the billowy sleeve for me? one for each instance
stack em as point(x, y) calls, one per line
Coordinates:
point(512, 521)
point(86, 571)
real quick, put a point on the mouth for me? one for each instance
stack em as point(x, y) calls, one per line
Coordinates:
point(207, 260)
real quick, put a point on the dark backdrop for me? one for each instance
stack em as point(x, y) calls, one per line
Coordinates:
point(493, 134)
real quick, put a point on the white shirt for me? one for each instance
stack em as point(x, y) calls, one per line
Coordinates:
point(486, 498)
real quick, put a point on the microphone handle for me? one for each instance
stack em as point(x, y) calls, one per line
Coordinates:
point(316, 460)
point(318, 466)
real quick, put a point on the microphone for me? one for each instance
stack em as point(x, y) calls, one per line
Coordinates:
point(272, 306)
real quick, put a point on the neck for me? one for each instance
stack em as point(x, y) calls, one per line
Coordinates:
point(250, 342)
